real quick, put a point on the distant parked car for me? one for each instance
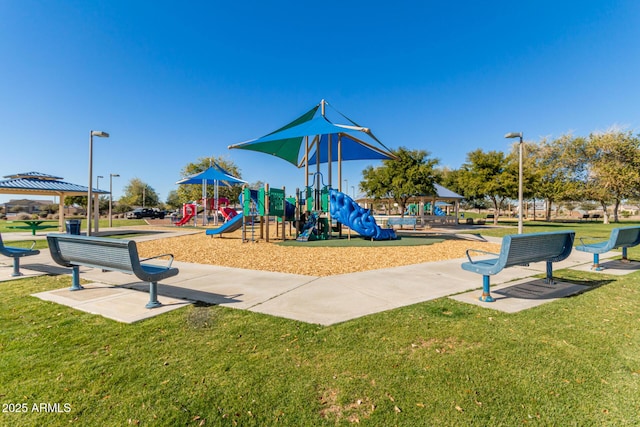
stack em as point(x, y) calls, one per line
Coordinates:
point(140, 213)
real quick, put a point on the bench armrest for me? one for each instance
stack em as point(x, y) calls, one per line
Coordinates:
point(33, 244)
point(160, 256)
point(480, 252)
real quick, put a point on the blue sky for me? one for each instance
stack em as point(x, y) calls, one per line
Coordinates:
point(176, 81)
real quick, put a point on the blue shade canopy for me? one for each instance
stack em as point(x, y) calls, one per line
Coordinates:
point(289, 142)
point(345, 147)
point(211, 175)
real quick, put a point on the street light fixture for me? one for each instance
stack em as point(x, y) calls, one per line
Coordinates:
point(111, 175)
point(346, 186)
point(98, 181)
point(520, 211)
point(99, 134)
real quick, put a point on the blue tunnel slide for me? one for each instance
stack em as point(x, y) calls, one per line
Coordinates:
point(345, 210)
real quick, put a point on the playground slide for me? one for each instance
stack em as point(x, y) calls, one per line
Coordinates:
point(342, 208)
point(187, 214)
point(232, 225)
point(228, 213)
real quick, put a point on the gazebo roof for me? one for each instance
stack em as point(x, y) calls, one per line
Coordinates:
point(36, 183)
point(443, 193)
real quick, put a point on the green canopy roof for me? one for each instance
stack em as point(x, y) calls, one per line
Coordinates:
point(288, 142)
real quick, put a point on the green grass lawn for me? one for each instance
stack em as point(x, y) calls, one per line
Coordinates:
point(575, 361)
point(571, 362)
point(104, 223)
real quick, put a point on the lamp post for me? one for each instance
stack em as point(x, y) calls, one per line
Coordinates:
point(520, 210)
point(111, 175)
point(99, 134)
point(353, 191)
point(346, 186)
point(98, 181)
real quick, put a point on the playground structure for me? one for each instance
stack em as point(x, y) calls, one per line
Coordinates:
point(312, 213)
point(315, 213)
point(211, 205)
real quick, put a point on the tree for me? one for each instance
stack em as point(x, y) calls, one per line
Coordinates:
point(614, 168)
point(487, 175)
point(138, 193)
point(77, 201)
point(191, 192)
point(173, 200)
point(557, 175)
point(410, 174)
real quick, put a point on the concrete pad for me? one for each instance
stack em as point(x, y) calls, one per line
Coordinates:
point(119, 304)
point(232, 287)
point(615, 267)
point(321, 300)
point(522, 294)
point(334, 299)
point(6, 272)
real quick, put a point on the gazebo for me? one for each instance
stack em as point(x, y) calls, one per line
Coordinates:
point(40, 184)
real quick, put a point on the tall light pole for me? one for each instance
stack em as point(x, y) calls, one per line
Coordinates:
point(96, 208)
point(520, 210)
point(346, 186)
point(99, 134)
point(111, 175)
point(353, 191)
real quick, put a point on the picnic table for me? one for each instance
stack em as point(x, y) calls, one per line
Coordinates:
point(33, 224)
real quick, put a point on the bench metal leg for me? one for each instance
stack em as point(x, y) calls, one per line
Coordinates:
point(153, 296)
point(624, 255)
point(16, 267)
point(549, 278)
point(75, 279)
point(486, 293)
point(596, 263)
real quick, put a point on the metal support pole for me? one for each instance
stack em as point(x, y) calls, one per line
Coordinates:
point(486, 293)
point(153, 296)
point(549, 278)
point(16, 267)
point(89, 191)
point(75, 279)
point(520, 219)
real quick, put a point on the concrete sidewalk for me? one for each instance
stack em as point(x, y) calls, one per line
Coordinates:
point(321, 300)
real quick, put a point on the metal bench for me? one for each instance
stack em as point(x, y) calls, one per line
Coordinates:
point(108, 254)
point(521, 249)
point(623, 237)
point(16, 253)
point(411, 221)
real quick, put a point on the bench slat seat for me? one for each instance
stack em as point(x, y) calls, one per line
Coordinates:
point(108, 254)
point(16, 253)
point(521, 249)
point(621, 237)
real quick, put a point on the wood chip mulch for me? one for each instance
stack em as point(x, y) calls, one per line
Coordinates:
point(229, 251)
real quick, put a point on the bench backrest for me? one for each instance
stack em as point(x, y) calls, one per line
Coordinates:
point(521, 249)
point(98, 252)
point(2, 250)
point(625, 236)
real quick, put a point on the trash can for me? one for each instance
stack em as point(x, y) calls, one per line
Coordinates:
point(73, 226)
